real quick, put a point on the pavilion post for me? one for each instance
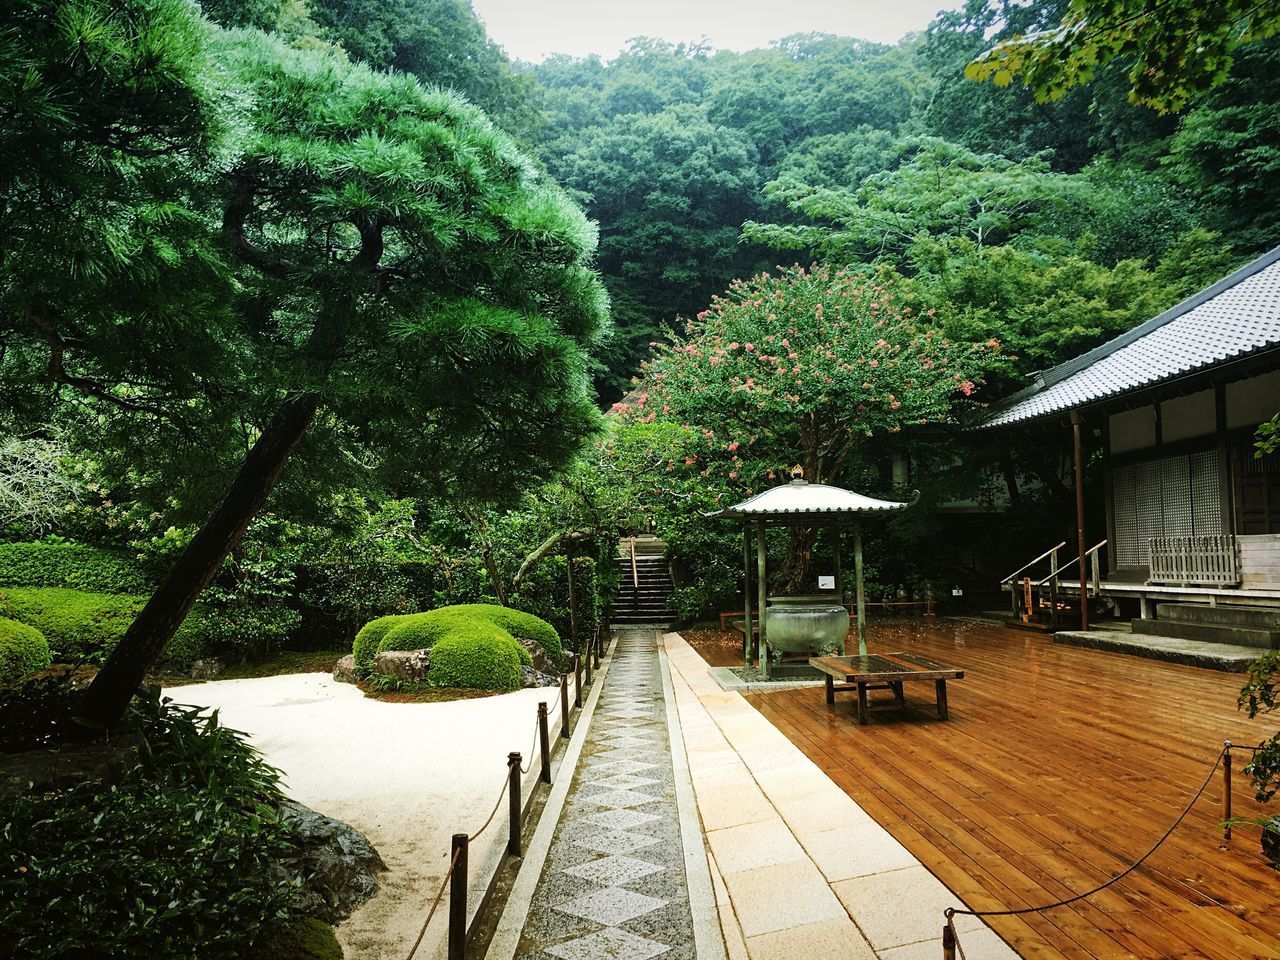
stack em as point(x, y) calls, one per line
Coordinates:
point(746, 594)
point(839, 571)
point(1078, 456)
point(861, 595)
point(763, 598)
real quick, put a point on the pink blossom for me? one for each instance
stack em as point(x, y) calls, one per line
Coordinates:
point(967, 387)
point(749, 347)
point(875, 363)
point(733, 474)
point(732, 447)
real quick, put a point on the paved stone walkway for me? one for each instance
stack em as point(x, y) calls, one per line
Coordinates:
point(613, 886)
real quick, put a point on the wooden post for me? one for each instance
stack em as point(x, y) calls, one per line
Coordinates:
point(1226, 791)
point(513, 777)
point(544, 742)
point(458, 898)
point(564, 707)
point(597, 645)
point(746, 594)
point(577, 680)
point(763, 595)
point(1078, 456)
point(839, 572)
point(948, 943)
point(861, 594)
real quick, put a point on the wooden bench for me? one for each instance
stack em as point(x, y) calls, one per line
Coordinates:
point(883, 671)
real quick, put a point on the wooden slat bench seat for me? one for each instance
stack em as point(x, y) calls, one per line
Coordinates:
point(883, 671)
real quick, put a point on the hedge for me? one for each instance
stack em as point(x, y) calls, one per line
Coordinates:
point(23, 651)
point(74, 566)
point(545, 594)
point(367, 641)
point(422, 631)
point(521, 625)
point(84, 627)
point(484, 658)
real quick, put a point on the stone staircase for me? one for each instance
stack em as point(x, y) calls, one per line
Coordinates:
point(644, 595)
point(1239, 626)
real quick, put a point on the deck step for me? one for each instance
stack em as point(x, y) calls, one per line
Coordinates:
point(1255, 618)
point(1209, 633)
point(1194, 653)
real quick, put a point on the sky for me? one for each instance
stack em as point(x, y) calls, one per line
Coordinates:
point(534, 29)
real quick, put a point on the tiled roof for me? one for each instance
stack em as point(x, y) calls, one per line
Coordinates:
point(1237, 316)
point(806, 499)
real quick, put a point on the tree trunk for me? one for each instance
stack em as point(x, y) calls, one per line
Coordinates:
point(796, 566)
point(108, 696)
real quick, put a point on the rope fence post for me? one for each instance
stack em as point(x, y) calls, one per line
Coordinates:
point(513, 776)
point(564, 706)
point(1226, 791)
point(598, 644)
point(577, 680)
point(948, 942)
point(587, 662)
point(458, 899)
point(544, 742)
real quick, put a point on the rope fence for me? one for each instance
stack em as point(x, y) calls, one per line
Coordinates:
point(455, 877)
point(951, 944)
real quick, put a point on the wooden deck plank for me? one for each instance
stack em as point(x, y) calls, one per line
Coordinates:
point(1059, 767)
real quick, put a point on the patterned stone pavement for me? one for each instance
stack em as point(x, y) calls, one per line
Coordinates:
point(613, 886)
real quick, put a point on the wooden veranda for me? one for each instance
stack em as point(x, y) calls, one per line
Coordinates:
point(1058, 768)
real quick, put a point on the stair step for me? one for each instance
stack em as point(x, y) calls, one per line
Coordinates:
point(1208, 633)
point(1256, 618)
point(1213, 656)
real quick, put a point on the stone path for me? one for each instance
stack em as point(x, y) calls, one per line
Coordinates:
point(613, 886)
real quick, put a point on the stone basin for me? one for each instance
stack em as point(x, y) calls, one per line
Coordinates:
point(815, 624)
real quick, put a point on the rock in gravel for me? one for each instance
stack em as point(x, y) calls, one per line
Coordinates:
point(410, 665)
point(344, 671)
point(536, 678)
point(207, 669)
point(333, 862)
point(538, 654)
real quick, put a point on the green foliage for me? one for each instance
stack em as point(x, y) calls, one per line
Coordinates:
point(304, 939)
point(1177, 49)
point(1268, 437)
point(369, 639)
point(422, 631)
point(479, 655)
point(84, 627)
point(23, 651)
point(72, 565)
point(521, 625)
point(545, 593)
point(177, 858)
point(1261, 695)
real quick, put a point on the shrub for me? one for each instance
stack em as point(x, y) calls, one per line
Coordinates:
point(370, 637)
point(75, 566)
point(521, 625)
point(84, 627)
point(545, 594)
point(422, 631)
point(305, 939)
point(176, 859)
point(23, 651)
point(484, 657)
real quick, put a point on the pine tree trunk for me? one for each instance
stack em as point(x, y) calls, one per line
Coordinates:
point(799, 560)
point(108, 696)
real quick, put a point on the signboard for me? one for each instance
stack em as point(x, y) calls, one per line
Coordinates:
point(826, 583)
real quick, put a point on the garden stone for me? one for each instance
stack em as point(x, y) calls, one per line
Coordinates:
point(538, 654)
point(344, 671)
point(536, 678)
point(41, 770)
point(409, 665)
point(334, 863)
point(207, 669)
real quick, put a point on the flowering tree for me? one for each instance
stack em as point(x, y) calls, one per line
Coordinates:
point(803, 366)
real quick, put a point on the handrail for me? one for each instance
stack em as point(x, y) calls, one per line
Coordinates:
point(1072, 562)
point(635, 575)
point(1009, 578)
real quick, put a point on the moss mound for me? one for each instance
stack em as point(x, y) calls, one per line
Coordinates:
point(486, 658)
point(23, 651)
point(521, 625)
point(370, 637)
point(305, 939)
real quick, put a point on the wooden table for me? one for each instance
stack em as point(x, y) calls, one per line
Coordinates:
point(883, 671)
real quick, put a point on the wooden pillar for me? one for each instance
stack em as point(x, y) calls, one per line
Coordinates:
point(861, 595)
point(746, 593)
point(763, 597)
point(1226, 483)
point(1078, 456)
point(835, 547)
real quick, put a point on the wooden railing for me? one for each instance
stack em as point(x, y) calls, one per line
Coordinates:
point(1188, 560)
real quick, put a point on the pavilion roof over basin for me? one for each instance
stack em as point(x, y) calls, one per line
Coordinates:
point(799, 500)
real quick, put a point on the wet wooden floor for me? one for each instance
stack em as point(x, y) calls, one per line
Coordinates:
point(1059, 767)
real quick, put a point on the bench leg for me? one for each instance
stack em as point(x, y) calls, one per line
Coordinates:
point(941, 686)
point(896, 687)
point(864, 708)
point(831, 689)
